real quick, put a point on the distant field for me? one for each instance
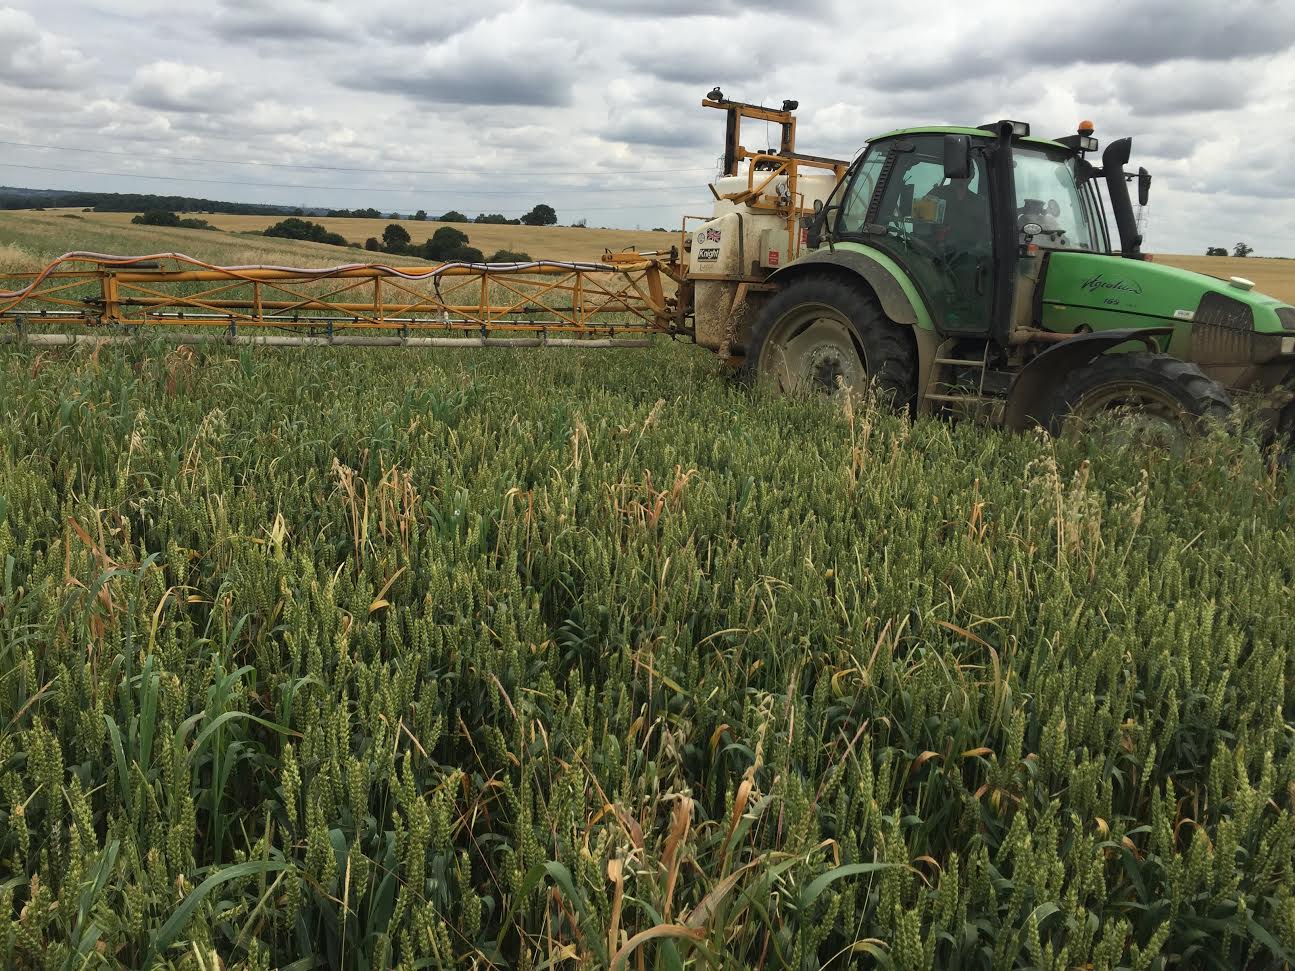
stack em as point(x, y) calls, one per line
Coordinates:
point(1273, 277)
point(555, 242)
point(41, 235)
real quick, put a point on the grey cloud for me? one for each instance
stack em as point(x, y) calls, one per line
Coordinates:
point(384, 20)
point(172, 86)
point(34, 58)
point(290, 20)
point(1179, 87)
point(507, 60)
point(692, 8)
point(1143, 34)
point(660, 129)
point(499, 82)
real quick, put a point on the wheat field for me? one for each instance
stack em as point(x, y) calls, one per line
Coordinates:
point(369, 658)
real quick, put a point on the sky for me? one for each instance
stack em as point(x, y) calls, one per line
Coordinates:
point(594, 106)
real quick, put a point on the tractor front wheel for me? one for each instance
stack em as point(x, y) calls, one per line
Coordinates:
point(821, 333)
point(1156, 397)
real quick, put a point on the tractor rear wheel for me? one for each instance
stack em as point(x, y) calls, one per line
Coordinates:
point(820, 333)
point(1162, 399)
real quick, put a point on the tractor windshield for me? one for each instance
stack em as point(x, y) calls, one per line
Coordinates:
point(1049, 210)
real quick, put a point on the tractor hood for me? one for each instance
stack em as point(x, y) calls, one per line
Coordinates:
point(1107, 291)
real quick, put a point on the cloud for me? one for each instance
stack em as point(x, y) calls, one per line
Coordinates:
point(283, 20)
point(560, 89)
point(392, 21)
point(34, 58)
point(171, 86)
point(659, 128)
point(1187, 87)
point(500, 61)
point(1144, 35)
point(692, 8)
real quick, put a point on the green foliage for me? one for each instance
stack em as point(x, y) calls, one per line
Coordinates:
point(355, 213)
point(541, 215)
point(496, 219)
point(1216, 251)
point(509, 256)
point(449, 245)
point(294, 228)
point(160, 218)
point(453, 216)
point(395, 238)
point(1242, 249)
point(366, 659)
point(420, 216)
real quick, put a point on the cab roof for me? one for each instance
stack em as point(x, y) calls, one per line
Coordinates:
point(956, 130)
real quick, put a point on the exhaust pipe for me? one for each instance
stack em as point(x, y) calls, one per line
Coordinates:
point(1114, 159)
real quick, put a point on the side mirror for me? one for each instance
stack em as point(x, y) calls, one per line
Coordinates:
point(817, 224)
point(1144, 186)
point(957, 157)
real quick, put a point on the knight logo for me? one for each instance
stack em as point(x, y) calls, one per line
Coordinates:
point(709, 235)
point(711, 253)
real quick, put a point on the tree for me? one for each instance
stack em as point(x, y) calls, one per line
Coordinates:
point(420, 216)
point(449, 245)
point(156, 217)
point(510, 256)
point(294, 228)
point(395, 239)
point(453, 216)
point(373, 244)
point(494, 219)
point(1241, 249)
point(541, 215)
point(1216, 251)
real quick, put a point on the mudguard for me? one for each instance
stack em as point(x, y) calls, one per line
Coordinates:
point(1032, 384)
point(894, 301)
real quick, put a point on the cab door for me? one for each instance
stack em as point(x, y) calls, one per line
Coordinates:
point(940, 230)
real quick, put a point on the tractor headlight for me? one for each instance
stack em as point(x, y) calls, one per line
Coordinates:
point(1286, 317)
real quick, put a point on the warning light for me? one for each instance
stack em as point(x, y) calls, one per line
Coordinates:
point(1086, 128)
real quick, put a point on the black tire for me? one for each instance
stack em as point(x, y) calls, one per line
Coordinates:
point(1157, 385)
point(886, 355)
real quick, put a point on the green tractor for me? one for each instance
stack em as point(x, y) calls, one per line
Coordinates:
point(973, 271)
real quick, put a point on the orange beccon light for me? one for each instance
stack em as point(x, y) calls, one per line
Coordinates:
point(1085, 128)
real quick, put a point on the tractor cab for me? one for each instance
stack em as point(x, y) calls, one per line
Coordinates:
point(970, 214)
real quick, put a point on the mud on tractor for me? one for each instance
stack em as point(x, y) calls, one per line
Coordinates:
point(969, 271)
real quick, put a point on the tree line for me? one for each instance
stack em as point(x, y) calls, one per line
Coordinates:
point(1241, 249)
point(446, 245)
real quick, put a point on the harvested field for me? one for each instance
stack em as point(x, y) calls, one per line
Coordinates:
point(554, 242)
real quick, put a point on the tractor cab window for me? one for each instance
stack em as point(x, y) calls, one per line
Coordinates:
point(854, 206)
point(1049, 209)
point(941, 230)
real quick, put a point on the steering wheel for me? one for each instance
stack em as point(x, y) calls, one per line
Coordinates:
point(919, 245)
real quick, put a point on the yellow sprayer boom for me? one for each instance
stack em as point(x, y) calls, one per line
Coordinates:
point(618, 301)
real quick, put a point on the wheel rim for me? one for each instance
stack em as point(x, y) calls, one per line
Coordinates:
point(812, 349)
point(1138, 414)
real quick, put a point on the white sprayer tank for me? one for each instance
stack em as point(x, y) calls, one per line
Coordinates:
point(740, 242)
